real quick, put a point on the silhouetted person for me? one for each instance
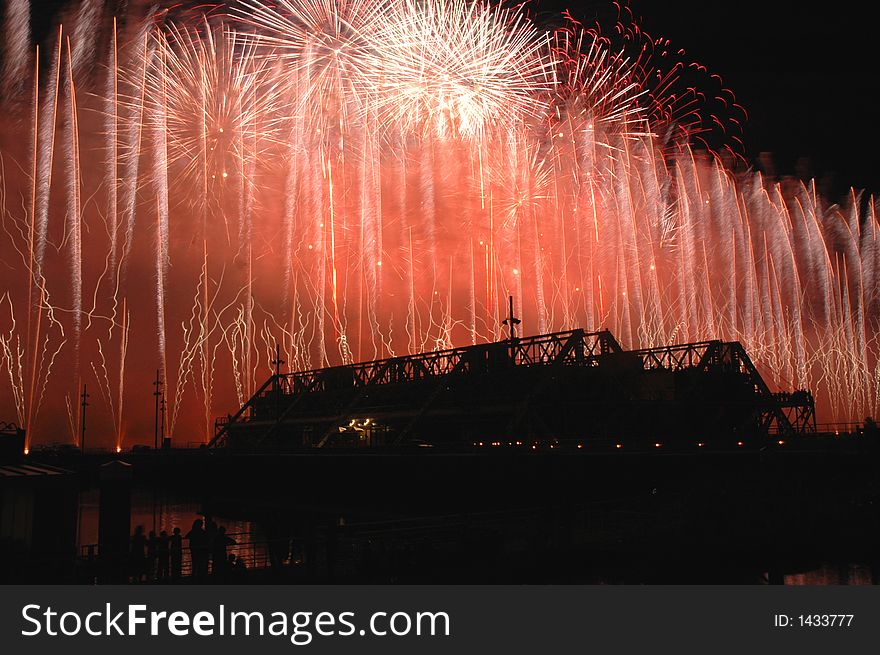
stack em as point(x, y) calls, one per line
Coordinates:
point(235, 567)
point(218, 549)
point(332, 545)
point(210, 533)
point(137, 554)
point(198, 549)
point(152, 555)
point(163, 553)
point(310, 552)
point(278, 544)
point(278, 552)
point(176, 548)
point(295, 556)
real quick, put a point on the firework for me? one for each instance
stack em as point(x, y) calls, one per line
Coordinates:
point(348, 179)
point(460, 67)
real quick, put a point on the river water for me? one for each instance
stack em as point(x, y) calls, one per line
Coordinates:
point(158, 510)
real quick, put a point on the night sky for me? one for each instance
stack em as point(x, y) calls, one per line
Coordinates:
point(808, 77)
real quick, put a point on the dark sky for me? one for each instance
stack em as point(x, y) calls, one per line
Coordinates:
point(808, 76)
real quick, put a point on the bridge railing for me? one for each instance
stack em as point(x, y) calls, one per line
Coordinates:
point(531, 351)
point(677, 357)
point(574, 348)
point(252, 549)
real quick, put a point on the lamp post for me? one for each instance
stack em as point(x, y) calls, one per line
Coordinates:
point(157, 393)
point(82, 420)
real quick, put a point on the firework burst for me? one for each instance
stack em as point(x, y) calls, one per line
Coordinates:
point(217, 101)
point(461, 67)
point(348, 179)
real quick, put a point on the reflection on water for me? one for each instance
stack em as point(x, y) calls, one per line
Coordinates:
point(157, 510)
point(845, 574)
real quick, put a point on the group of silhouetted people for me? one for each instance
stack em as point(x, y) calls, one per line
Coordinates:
point(160, 557)
point(207, 544)
point(155, 557)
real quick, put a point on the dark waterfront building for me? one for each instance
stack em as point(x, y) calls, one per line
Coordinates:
point(568, 388)
point(38, 510)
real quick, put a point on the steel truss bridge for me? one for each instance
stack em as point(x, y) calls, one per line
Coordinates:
point(568, 384)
